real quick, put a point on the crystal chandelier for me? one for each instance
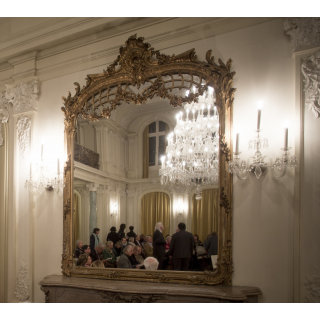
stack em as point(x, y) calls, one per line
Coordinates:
point(192, 154)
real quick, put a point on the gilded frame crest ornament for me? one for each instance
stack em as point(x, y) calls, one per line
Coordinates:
point(138, 64)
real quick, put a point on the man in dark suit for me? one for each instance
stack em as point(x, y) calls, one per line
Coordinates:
point(181, 247)
point(159, 244)
point(212, 248)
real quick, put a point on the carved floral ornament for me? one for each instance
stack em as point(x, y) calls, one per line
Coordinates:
point(310, 68)
point(138, 74)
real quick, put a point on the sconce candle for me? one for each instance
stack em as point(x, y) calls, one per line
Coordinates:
point(285, 138)
point(41, 151)
point(237, 143)
point(259, 118)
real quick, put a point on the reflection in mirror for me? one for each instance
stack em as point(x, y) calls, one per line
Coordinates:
point(121, 193)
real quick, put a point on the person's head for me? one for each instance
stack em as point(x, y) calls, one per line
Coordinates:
point(96, 230)
point(151, 263)
point(79, 243)
point(89, 261)
point(131, 239)
point(122, 226)
point(131, 228)
point(100, 248)
point(128, 250)
point(86, 249)
point(142, 237)
point(177, 230)
point(83, 258)
point(137, 237)
point(213, 234)
point(196, 237)
point(149, 239)
point(124, 241)
point(181, 226)
point(109, 245)
point(113, 229)
point(209, 235)
point(159, 226)
point(168, 239)
point(136, 250)
point(118, 244)
point(98, 264)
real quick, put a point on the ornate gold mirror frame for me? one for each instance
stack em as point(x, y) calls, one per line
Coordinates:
point(139, 64)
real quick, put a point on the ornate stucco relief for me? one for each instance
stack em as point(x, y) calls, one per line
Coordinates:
point(304, 32)
point(312, 284)
point(23, 96)
point(4, 117)
point(22, 289)
point(311, 70)
point(24, 129)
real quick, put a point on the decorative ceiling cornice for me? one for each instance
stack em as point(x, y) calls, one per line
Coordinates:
point(304, 32)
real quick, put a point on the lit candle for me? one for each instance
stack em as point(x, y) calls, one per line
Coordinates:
point(58, 166)
point(163, 158)
point(259, 114)
point(286, 126)
point(237, 143)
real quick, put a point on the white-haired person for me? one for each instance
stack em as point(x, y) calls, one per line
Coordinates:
point(96, 252)
point(124, 260)
point(151, 263)
point(159, 243)
point(78, 250)
point(131, 241)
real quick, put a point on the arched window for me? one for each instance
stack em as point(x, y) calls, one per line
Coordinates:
point(154, 146)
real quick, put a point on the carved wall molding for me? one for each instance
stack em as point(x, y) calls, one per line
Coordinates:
point(310, 68)
point(22, 289)
point(24, 132)
point(304, 32)
point(312, 284)
point(23, 96)
point(4, 118)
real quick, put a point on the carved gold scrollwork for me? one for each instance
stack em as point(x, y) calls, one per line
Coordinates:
point(167, 77)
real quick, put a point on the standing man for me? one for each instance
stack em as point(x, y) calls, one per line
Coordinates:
point(212, 248)
point(159, 243)
point(181, 247)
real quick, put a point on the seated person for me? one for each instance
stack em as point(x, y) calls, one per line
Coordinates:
point(137, 241)
point(148, 247)
point(168, 241)
point(78, 250)
point(117, 249)
point(109, 255)
point(84, 260)
point(98, 264)
point(142, 239)
point(137, 254)
point(124, 260)
point(131, 241)
point(96, 252)
point(197, 241)
point(151, 263)
point(124, 242)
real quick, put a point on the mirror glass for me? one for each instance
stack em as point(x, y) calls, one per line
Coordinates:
point(119, 190)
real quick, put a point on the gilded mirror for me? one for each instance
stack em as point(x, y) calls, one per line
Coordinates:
point(133, 101)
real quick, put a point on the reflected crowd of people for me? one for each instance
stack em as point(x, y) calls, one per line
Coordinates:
point(181, 251)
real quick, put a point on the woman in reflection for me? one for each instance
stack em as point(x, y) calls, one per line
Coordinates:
point(84, 260)
point(94, 238)
point(197, 241)
point(117, 250)
point(121, 232)
point(137, 241)
point(109, 255)
point(131, 233)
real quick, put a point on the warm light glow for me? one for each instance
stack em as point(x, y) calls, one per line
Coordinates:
point(286, 123)
point(238, 130)
point(260, 104)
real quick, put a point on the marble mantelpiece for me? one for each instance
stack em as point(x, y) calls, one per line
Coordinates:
point(60, 289)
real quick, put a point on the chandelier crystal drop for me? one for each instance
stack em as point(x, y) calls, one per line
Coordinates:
point(192, 154)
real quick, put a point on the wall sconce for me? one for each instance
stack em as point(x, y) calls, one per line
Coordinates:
point(180, 210)
point(259, 164)
point(38, 183)
point(114, 209)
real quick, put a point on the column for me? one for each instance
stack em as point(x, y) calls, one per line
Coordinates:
point(132, 219)
point(93, 221)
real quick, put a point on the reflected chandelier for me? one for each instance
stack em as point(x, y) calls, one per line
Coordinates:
point(192, 154)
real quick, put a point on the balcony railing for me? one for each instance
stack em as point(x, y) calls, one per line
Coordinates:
point(86, 156)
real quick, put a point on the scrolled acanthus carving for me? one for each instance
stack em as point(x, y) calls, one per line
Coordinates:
point(312, 285)
point(24, 130)
point(224, 147)
point(304, 32)
point(22, 289)
point(110, 297)
point(4, 117)
point(310, 68)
